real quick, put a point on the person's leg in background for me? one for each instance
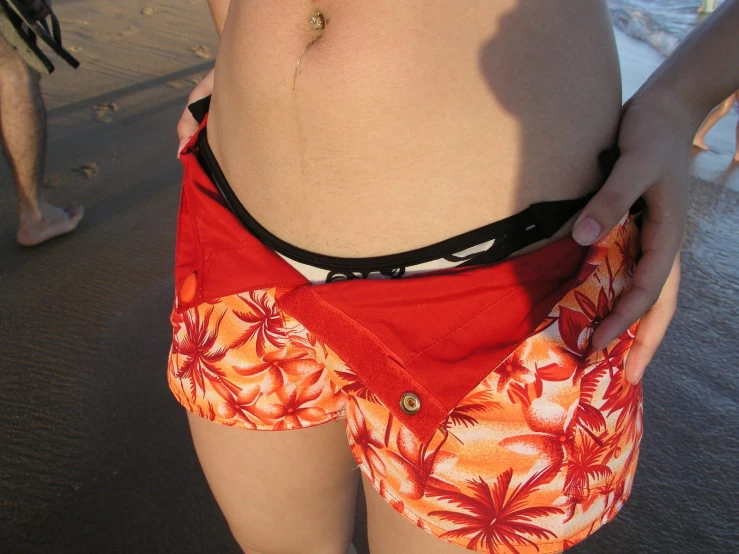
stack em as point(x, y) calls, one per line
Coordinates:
point(736, 156)
point(282, 492)
point(718, 112)
point(23, 131)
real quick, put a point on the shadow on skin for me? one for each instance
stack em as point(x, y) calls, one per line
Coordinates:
point(576, 73)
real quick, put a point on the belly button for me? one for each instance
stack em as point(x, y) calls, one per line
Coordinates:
point(318, 22)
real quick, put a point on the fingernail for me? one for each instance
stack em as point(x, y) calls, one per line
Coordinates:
point(586, 232)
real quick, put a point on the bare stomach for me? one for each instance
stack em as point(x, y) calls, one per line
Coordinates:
point(402, 123)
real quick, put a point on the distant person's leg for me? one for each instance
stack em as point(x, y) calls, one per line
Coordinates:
point(23, 131)
point(736, 156)
point(718, 112)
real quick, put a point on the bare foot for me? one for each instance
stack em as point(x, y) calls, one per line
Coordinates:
point(53, 222)
point(698, 143)
point(736, 156)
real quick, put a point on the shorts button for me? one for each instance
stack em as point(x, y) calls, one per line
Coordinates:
point(189, 287)
point(410, 403)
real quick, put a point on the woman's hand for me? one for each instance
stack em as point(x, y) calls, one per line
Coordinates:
point(655, 138)
point(187, 126)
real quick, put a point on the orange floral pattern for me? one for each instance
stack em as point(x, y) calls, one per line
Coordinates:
point(535, 458)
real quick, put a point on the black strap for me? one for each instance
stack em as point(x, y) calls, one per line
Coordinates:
point(200, 108)
point(540, 221)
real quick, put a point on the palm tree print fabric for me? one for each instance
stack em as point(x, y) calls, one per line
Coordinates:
point(536, 457)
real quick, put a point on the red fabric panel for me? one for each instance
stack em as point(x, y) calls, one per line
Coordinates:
point(410, 314)
point(412, 335)
point(188, 255)
point(375, 364)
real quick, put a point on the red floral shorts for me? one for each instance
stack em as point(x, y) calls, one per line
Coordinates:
point(533, 454)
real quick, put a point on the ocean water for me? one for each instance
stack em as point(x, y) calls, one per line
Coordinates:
point(660, 23)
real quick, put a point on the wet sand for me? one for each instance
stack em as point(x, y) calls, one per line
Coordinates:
point(95, 454)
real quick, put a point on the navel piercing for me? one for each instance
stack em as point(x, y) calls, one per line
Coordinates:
point(318, 22)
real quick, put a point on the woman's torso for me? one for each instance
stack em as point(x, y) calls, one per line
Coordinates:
point(410, 122)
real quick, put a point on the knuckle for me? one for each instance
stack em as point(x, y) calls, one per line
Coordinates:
point(646, 345)
point(624, 321)
point(650, 295)
point(612, 203)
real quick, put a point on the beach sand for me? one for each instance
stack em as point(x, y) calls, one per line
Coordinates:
point(95, 454)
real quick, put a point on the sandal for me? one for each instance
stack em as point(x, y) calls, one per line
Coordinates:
point(39, 27)
point(22, 40)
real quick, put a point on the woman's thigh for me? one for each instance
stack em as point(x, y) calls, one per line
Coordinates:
point(390, 533)
point(282, 492)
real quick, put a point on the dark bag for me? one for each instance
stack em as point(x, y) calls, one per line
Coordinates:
point(34, 10)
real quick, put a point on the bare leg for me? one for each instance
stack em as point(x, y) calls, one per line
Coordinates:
point(23, 129)
point(391, 533)
point(718, 112)
point(282, 492)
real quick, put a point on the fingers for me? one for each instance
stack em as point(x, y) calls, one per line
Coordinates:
point(624, 186)
point(661, 238)
point(653, 327)
point(187, 126)
point(649, 276)
point(638, 173)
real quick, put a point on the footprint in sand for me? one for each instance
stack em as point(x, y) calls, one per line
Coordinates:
point(174, 84)
point(148, 11)
point(54, 180)
point(74, 22)
point(103, 112)
point(201, 51)
point(74, 48)
point(89, 170)
point(128, 32)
